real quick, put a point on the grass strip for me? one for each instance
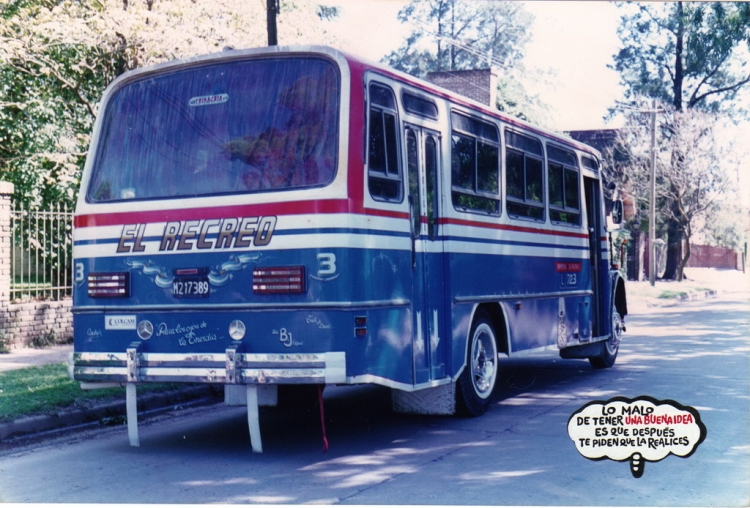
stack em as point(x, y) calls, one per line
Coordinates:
point(46, 389)
point(668, 295)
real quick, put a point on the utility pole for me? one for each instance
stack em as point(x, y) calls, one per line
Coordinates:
point(272, 9)
point(652, 204)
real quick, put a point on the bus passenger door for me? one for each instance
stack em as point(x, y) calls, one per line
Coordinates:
point(594, 225)
point(423, 164)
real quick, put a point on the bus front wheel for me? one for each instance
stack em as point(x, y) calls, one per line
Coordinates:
point(477, 382)
point(606, 358)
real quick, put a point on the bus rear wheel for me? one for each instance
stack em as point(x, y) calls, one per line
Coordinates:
point(477, 382)
point(606, 358)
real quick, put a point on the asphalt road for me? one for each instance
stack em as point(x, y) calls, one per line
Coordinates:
point(519, 453)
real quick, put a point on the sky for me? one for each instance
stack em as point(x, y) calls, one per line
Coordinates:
point(572, 43)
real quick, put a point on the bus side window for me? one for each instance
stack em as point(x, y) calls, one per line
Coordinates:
point(431, 168)
point(525, 176)
point(475, 166)
point(564, 194)
point(383, 171)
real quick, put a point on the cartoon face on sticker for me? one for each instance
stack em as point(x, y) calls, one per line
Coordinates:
point(637, 430)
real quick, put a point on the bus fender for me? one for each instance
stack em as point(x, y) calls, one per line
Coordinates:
point(619, 296)
point(499, 323)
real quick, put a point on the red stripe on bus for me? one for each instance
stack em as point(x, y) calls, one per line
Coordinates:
point(507, 227)
point(220, 212)
point(216, 212)
point(356, 149)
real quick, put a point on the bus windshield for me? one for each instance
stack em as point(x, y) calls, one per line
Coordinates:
point(232, 127)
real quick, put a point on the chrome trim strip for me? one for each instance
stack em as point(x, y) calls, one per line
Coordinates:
point(243, 368)
point(389, 383)
point(521, 296)
point(592, 340)
point(99, 358)
point(373, 304)
point(532, 351)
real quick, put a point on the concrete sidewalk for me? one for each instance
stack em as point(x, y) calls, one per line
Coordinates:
point(30, 357)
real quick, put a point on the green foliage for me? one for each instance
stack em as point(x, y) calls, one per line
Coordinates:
point(671, 295)
point(453, 35)
point(36, 390)
point(44, 340)
point(326, 13)
point(48, 90)
point(57, 57)
point(688, 54)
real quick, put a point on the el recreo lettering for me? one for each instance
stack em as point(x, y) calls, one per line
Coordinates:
point(205, 234)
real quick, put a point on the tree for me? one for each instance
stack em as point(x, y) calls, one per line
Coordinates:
point(57, 56)
point(458, 35)
point(689, 55)
point(695, 188)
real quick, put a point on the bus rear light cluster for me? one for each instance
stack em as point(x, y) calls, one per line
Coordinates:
point(109, 285)
point(279, 279)
point(360, 326)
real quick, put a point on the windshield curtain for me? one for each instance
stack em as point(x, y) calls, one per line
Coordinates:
point(231, 127)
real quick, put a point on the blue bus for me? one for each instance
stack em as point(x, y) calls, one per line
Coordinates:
point(299, 216)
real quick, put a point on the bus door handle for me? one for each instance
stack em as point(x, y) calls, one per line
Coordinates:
point(414, 231)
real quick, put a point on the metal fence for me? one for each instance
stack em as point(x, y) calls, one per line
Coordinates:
point(41, 254)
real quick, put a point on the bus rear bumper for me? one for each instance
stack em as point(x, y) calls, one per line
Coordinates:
point(230, 367)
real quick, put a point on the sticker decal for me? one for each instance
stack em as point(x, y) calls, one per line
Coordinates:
point(120, 322)
point(569, 273)
point(286, 337)
point(327, 270)
point(636, 430)
point(208, 100)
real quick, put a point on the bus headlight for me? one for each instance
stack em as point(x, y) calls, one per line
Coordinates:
point(237, 329)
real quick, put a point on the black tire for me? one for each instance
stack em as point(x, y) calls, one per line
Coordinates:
point(606, 358)
point(477, 382)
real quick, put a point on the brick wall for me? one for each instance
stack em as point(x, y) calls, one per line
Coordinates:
point(705, 256)
point(477, 84)
point(28, 323)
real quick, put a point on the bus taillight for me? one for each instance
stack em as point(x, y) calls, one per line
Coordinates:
point(279, 279)
point(109, 285)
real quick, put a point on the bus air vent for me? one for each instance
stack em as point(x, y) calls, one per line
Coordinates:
point(279, 279)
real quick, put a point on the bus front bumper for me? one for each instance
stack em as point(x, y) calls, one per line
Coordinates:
point(230, 367)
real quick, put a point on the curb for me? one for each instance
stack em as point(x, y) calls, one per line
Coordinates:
point(692, 296)
point(109, 413)
point(640, 304)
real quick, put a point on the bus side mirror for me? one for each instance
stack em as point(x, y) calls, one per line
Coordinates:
point(617, 211)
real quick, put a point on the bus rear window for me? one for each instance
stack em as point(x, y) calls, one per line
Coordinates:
point(230, 127)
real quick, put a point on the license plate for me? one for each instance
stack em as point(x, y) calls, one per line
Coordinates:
point(190, 287)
